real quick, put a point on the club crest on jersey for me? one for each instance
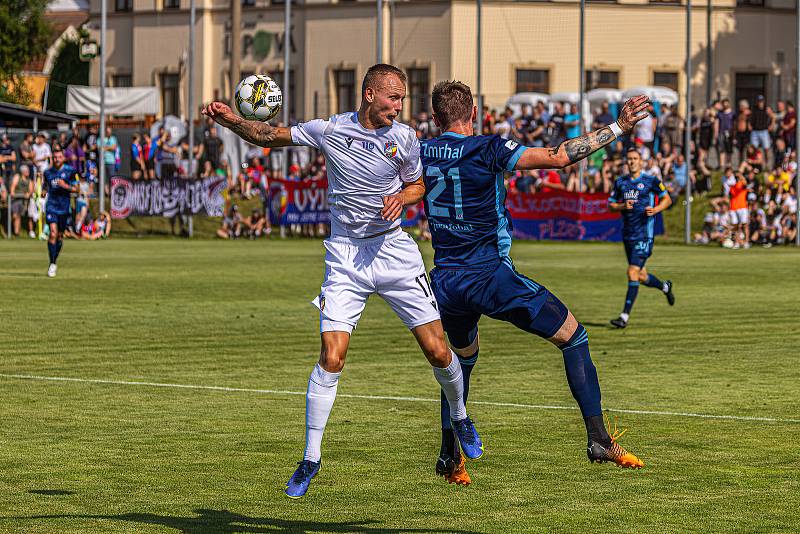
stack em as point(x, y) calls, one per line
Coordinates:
point(640, 186)
point(390, 149)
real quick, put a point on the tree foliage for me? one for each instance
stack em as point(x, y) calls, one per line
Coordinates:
point(67, 70)
point(24, 36)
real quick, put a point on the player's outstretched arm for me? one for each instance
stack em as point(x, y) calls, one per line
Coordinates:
point(578, 148)
point(254, 132)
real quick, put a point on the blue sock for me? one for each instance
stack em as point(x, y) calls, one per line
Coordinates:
point(448, 438)
point(581, 373)
point(59, 244)
point(52, 251)
point(652, 281)
point(630, 297)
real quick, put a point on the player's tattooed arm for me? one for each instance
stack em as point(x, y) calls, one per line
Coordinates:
point(578, 148)
point(254, 132)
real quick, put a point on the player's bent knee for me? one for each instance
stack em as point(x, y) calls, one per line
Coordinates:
point(579, 337)
point(566, 331)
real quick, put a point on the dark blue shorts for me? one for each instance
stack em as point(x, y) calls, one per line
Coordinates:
point(63, 220)
point(500, 293)
point(638, 251)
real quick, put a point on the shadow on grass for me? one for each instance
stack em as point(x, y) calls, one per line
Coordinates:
point(225, 522)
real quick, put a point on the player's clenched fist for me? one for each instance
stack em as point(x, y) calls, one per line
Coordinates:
point(392, 207)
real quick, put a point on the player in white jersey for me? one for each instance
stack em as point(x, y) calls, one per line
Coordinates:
point(374, 170)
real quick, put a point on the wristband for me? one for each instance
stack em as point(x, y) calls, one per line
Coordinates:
point(616, 129)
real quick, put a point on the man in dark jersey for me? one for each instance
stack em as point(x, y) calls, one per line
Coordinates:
point(60, 181)
point(634, 195)
point(474, 275)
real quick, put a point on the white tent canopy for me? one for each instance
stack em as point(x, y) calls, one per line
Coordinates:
point(85, 100)
point(598, 96)
point(663, 95)
point(518, 101)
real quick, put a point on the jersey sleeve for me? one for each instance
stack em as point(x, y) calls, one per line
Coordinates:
point(658, 187)
point(502, 154)
point(412, 166)
point(310, 133)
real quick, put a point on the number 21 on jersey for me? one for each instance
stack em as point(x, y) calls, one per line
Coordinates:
point(440, 209)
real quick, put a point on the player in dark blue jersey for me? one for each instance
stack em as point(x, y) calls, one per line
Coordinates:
point(474, 275)
point(634, 195)
point(60, 181)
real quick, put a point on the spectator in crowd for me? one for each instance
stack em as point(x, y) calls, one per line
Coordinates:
point(138, 167)
point(572, 121)
point(788, 127)
point(74, 154)
point(110, 145)
point(673, 128)
point(8, 159)
point(21, 192)
point(256, 225)
point(42, 154)
point(724, 129)
point(85, 190)
point(231, 224)
point(645, 129)
point(742, 128)
point(761, 120)
point(90, 144)
point(148, 146)
point(166, 154)
point(212, 147)
point(97, 229)
point(26, 152)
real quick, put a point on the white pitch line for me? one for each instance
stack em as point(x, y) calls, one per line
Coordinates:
point(391, 398)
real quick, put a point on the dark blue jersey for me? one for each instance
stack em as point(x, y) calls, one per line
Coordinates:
point(58, 198)
point(465, 198)
point(636, 225)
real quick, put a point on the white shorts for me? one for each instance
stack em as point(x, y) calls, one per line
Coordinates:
point(740, 216)
point(389, 265)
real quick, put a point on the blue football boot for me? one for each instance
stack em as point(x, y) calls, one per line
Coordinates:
point(468, 438)
point(301, 479)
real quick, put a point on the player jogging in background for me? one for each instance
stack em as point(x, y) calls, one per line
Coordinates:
point(634, 195)
point(474, 275)
point(60, 181)
point(373, 171)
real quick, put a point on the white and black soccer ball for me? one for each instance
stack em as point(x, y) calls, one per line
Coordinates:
point(258, 98)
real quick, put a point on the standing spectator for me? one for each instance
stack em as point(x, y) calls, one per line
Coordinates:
point(148, 156)
point(673, 129)
point(603, 118)
point(761, 121)
point(26, 150)
point(212, 147)
point(705, 140)
point(8, 159)
point(724, 129)
point(74, 154)
point(557, 118)
point(788, 128)
point(502, 127)
point(742, 138)
point(572, 122)
point(21, 191)
point(166, 155)
point(90, 143)
point(740, 214)
point(42, 155)
point(110, 144)
point(777, 122)
point(137, 158)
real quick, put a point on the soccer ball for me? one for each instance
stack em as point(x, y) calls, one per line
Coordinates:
point(258, 98)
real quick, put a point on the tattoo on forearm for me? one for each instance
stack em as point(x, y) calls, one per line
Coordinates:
point(257, 133)
point(580, 147)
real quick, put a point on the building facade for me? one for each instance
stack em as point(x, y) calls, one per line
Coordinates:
point(526, 46)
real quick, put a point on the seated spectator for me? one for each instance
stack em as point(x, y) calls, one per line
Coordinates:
point(753, 160)
point(97, 229)
point(231, 224)
point(256, 225)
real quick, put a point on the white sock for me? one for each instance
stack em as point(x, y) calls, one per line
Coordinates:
point(452, 381)
point(624, 316)
point(319, 401)
point(665, 288)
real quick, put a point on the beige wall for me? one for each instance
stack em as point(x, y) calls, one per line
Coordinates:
point(632, 36)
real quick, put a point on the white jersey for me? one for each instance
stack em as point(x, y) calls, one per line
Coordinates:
point(363, 167)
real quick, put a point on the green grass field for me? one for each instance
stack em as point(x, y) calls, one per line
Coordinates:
point(128, 455)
